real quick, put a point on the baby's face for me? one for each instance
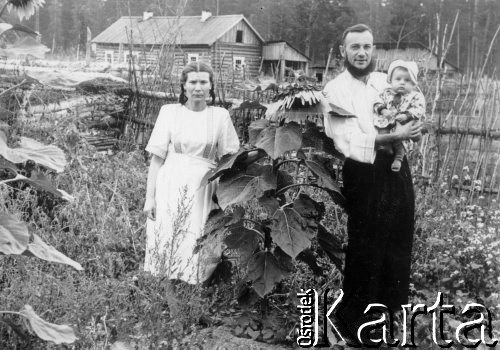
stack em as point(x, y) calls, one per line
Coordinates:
point(401, 81)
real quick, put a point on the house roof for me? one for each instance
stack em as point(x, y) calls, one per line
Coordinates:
point(186, 30)
point(391, 45)
point(273, 42)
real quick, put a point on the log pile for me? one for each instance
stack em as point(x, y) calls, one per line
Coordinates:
point(99, 117)
point(96, 104)
point(81, 107)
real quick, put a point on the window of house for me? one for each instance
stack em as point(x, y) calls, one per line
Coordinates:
point(239, 36)
point(193, 57)
point(135, 56)
point(108, 56)
point(238, 62)
point(319, 77)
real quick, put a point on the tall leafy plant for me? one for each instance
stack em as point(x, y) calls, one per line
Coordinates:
point(23, 9)
point(29, 162)
point(269, 174)
point(281, 158)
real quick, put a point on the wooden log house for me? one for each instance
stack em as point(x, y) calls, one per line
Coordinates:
point(427, 60)
point(232, 46)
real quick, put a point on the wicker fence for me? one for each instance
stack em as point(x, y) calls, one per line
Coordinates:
point(460, 152)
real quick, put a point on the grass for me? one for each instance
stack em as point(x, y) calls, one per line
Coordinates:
point(455, 252)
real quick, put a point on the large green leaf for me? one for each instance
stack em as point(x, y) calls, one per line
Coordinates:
point(49, 156)
point(255, 128)
point(278, 140)
point(331, 245)
point(243, 238)
point(215, 225)
point(269, 203)
point(237, 214)
point(43, 251)
point(246, 295)
point(4, 27)
point(14, 236)
point(225, 163)
point(339, 111)
point(284, 179)
point(46, 330)
point(6, 165)
point(285, 261)
point(325, 179)
point(264, 271)
point(243, 186)
point(316, 138)
point(230, 161)
point(308, 257)
point(14, 239)
point(221, 272)
point(216, 222)
point(309, 208)
point(290, 231)
point(40, 181)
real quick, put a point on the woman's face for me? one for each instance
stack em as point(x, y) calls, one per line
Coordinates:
point(197, 86)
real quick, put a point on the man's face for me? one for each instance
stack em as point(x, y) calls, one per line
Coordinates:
point(358, 49)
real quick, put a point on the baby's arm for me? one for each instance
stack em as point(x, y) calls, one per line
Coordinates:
point(380, 107)
point(417, 107)
point(415, 110)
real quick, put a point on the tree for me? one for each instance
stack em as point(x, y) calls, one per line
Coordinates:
point(408, 20)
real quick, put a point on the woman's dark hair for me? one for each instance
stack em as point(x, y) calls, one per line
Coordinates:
point(196, 67)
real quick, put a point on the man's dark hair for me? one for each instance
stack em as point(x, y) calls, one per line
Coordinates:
point(357, 28)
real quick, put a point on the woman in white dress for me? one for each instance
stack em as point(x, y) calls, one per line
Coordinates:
point(186, 141)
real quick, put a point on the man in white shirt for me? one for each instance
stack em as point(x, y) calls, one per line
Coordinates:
point(379, 202)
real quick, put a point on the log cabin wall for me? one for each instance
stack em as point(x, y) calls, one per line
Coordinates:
point(237, 54)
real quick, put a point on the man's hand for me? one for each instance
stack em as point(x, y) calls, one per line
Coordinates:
point(386, 113)
point(401, 118)
point(410, 131)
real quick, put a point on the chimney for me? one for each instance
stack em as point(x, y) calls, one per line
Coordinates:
point(205, 15)
point(147, 15)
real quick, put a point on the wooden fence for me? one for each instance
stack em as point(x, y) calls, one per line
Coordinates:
point(461, 151)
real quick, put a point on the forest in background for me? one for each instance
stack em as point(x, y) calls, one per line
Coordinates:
point(313, 26)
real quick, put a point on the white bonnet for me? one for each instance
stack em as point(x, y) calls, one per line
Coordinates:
point(410, 66)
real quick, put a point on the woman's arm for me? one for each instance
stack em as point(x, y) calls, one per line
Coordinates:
point(150, 205)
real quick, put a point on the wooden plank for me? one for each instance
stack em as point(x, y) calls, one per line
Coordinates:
point(492, 134)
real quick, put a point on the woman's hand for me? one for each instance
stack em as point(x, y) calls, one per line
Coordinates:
point(150, 208)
